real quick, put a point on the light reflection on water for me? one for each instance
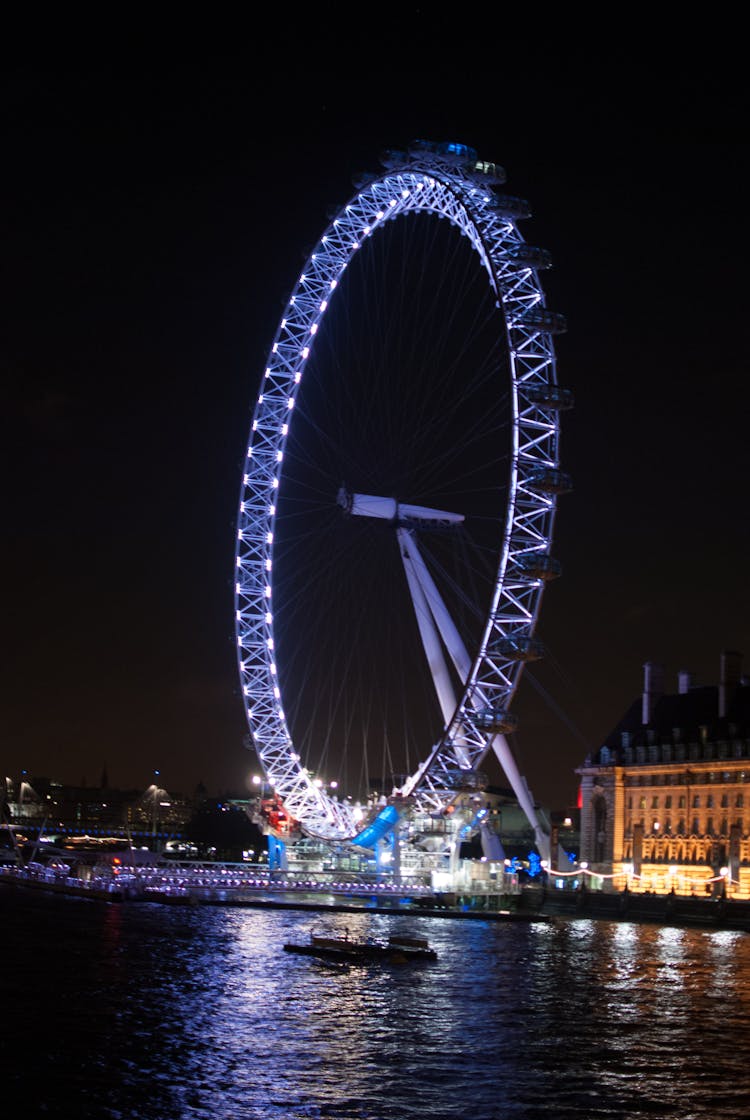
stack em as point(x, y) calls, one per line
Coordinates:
point(151, 1012)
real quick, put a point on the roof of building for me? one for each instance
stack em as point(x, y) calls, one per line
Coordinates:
point(694, 714)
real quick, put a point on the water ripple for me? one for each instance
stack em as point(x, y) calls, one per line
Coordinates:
point(147, 1012)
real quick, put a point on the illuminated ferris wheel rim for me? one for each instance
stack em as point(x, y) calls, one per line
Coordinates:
point(449, 182)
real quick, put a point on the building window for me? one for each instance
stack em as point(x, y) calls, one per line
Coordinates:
point(682, 802)
point(642, 803)
point(739, 801)
point(724, 800)
point(710, 826)
point(710, 801)
point(668, 801)
point(696, 801)
point(654, 802)
point(695, 829)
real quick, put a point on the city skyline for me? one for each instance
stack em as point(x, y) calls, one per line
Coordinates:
point(151, 247)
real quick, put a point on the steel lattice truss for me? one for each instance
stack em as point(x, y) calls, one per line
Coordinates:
point(447, 181)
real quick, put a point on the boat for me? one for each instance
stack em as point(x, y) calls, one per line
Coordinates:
point(393, 950)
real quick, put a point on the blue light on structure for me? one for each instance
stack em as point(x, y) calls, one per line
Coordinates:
point(384, 823)
point(535, 865)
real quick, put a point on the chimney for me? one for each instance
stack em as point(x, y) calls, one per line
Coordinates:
point(653, 688)
point(685, 681)
point(731, 674)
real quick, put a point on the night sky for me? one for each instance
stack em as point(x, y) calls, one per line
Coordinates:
point(155, 215)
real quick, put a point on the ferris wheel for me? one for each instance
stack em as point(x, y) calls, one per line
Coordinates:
point(398, 499)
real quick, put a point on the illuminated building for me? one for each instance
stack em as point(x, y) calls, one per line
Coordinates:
point(665, 801)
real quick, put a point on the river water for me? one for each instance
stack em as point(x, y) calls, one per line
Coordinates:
point(142, 1011)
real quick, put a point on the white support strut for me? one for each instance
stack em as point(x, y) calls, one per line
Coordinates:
point(433, 616)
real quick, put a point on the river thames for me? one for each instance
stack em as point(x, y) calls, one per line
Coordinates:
point(144, 1011)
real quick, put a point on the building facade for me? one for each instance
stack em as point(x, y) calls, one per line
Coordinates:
point(665, 801)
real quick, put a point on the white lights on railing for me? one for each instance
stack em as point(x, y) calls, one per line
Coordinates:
point(268, 591)
point(269, 538)
point(268, 618)
point(284, 429)
point(305, 351)
point(324, 305)
point(314, 328)
point(279, 456)
point(290, 402)
point(268, 564)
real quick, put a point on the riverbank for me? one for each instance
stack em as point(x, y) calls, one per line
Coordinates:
point(532, 904)
point(628, 906)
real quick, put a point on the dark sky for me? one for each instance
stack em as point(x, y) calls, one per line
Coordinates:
point(154, 217)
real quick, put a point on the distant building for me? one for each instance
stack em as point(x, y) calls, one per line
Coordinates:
point(665, 801)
